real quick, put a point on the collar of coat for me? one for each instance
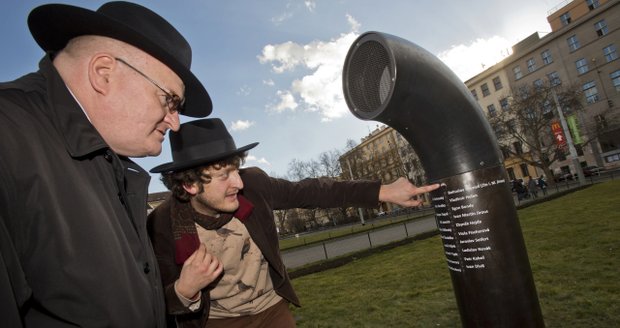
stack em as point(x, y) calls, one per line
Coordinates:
point(80, 137)
point(184, 231)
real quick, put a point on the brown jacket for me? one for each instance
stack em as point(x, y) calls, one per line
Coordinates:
point(266, 194)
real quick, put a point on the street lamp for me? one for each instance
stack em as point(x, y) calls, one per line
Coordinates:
point(569, 140)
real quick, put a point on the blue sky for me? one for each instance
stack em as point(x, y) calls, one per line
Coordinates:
point(273, 68)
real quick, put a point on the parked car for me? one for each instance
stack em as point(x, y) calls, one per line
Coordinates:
point(592, 170)
point(563, 176)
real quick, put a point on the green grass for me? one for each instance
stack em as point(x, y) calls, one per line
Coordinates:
point(573, 244)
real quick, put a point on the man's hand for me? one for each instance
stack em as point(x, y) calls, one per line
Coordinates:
point(403, 193)
point(199, 270)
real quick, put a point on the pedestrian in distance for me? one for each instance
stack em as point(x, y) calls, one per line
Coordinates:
point(215, 238)
point(542, 184)
point(532, 187)
point(74, 249)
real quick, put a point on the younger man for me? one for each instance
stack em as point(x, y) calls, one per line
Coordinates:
point(216, 239)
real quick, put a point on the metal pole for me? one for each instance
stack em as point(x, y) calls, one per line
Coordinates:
point(359, 209)
point(569, 140)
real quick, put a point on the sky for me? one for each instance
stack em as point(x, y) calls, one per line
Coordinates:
point(274, 68)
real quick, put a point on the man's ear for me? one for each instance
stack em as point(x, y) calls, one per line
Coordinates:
point(100, 70)
point(191, 189)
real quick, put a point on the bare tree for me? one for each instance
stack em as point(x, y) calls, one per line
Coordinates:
point(524, 128)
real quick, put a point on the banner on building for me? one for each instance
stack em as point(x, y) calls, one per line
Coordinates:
point(573, 126)
point(558, 134)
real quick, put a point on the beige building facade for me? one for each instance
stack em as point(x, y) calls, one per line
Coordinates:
point(582, 49)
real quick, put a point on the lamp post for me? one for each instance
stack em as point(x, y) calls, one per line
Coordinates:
point(359, 210)
point(569, 140)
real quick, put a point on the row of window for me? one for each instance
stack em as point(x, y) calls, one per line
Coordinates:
point(565, 17)
point(609, 52)
point(600, 28)
point(497, 84)
point(589, 90)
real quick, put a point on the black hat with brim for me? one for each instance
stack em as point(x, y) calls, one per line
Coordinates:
point(53, 25)
point(198, 143)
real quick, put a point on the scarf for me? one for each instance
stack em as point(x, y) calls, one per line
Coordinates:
point(184, 218)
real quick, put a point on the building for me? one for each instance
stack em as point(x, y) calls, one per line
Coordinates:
point(582, 50)
point(382, 155)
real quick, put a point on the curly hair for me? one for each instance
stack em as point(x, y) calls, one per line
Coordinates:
point(175, 181)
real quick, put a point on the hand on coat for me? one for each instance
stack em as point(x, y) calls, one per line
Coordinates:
point(199, 270)
point(403, 193)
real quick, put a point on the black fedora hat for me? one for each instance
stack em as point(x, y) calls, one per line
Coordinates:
point(53, 25)
point(200, 142)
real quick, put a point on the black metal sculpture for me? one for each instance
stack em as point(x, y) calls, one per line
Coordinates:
point(396, 82)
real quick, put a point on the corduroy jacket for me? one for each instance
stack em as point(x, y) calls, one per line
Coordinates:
point(266, 195)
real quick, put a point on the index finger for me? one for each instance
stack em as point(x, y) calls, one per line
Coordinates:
point(428, 188)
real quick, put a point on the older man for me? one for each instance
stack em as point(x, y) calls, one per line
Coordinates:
point(73, 244)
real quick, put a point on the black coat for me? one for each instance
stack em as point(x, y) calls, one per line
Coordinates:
point(73, 244)
point(266, 194)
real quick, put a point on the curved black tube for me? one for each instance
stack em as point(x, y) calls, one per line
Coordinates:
point(393, 81)
point(385, 75)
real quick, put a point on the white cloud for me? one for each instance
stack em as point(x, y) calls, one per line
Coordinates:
point(293, 7)
point(311, 5)
point(245, 90)
point(252, 158)
point(241, 125)
point(286, 100)
point(355, 25)
point(321, 90)
point(269, 82)
point(468, 60)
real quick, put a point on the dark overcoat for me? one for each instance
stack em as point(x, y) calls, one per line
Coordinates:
point(74, 250)
point(266, 195)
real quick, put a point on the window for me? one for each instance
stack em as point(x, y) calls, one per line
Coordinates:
point(601, 28)
point(511, 125)
point(554, 78)
point(546, 57)
point(517, 147)
point(590, 91)
point(517, 72)
point(497, 82)
point(615, 79)
point(592, 4)
point(524, 170)
point(491, 110)
point(610, 53)
point(485, 90)
point(573, 43)
point(565, 18)
point(547, 108)
point(531, 65)
point(474, 93)
point(582, 66)
point(538, 83)
point(503, 103)
point(601, 122)
point(612, 158)
point(511, 173)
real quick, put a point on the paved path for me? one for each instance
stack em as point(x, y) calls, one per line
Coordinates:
point(353, 243)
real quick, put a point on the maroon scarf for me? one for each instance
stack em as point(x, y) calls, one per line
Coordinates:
point(184, 218)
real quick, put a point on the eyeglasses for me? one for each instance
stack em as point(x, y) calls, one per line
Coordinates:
point(174, 103)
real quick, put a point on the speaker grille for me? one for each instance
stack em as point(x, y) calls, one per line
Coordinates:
point(369, 77)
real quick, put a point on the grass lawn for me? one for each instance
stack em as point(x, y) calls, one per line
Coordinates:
point(573, 244)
